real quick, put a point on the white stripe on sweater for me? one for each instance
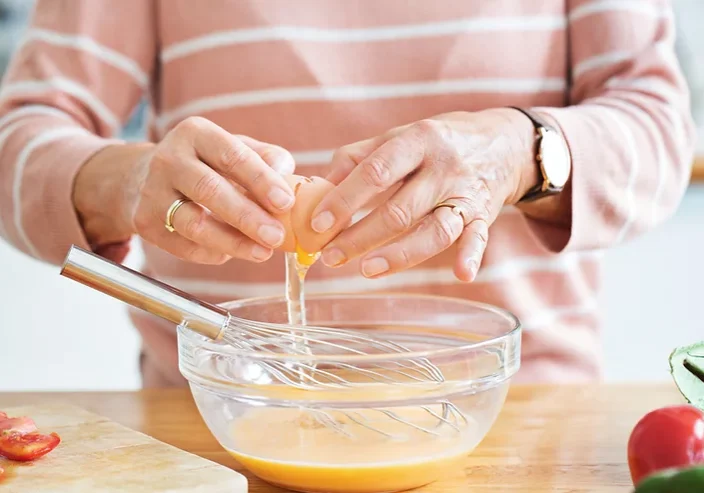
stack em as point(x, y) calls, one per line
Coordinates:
point(360, 35)
point(90, 46)
point(40, 140)
point(62, 85)
point(360, 93)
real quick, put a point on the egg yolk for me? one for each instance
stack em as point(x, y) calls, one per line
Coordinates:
point(305, 258)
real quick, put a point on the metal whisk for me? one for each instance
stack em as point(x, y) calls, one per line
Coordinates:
point(218, 324)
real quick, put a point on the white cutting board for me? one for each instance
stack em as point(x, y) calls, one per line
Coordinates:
point(99, 455)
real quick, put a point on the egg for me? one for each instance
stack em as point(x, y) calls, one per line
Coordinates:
point(300, 236)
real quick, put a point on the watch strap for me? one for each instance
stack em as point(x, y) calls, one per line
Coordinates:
point(544, 188)
point(537, 120)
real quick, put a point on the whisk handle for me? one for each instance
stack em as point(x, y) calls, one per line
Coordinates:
point(144, 293)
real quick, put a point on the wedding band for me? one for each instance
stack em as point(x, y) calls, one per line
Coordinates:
point(170, 213)
point(457, 210)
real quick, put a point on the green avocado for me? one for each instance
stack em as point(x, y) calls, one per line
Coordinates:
point(687, 369)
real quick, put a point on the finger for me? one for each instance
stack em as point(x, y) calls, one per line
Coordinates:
point(151, 229)
point(200, 226)
point(346, 158)
point(206, 187)
point(395, 216)
point(185, 249)
point(278, 158)
point(232, 158)
point(433, 235)
point(378, 172)
point(470, 250)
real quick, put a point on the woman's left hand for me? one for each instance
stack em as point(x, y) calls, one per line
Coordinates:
point(478, 162)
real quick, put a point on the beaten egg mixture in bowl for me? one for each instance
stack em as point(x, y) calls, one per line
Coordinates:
point(366, 418)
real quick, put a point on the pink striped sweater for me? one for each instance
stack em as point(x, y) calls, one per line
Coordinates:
point(313, 75)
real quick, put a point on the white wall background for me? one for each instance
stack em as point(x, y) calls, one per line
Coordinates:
point(652, 297)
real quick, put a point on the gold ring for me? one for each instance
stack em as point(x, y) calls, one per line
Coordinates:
point(457, 210)
point(170, 213)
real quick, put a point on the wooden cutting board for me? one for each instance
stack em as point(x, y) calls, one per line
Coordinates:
point(100, 455)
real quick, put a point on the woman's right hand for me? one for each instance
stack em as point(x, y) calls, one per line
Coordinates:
point(234, 184)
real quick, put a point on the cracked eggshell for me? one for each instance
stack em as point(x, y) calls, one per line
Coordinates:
point(296, 221)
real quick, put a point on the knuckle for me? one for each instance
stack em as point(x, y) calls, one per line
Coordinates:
point(376, 172)
point(257, 176)
point(397, 217)
point(270, 154)
point(428, 127)
point(189, 125)
point(243, 218)
point(342, 202)
point(343, 161)
point(481, 233)
point(207, 188)
point(232, 157)
point(443, 232)
point(350, 244)
point(405, 257)
point(194, 227)
point(349, 154)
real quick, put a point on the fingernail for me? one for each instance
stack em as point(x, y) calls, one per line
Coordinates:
point(260, 253)
point(323, 222)
point(280, 198)
point(332, 257)
point(271, 235)
point(374, 266)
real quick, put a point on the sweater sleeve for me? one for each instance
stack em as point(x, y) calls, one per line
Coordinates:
point(628, 124)
point(78, 74)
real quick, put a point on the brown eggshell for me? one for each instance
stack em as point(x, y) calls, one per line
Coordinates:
point(310, 192)
point(289, 244)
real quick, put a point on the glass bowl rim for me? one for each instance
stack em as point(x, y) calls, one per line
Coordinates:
point(226, 350)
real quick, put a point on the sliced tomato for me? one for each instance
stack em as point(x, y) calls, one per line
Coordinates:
point(27, 446)
point(2, 415)
point(22, 424)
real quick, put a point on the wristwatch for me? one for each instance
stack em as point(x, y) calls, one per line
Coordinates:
point(552, 158)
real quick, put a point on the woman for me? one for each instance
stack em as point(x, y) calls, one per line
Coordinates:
point(406, 106)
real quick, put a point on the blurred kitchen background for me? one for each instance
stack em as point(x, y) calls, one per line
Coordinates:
point(652, 293)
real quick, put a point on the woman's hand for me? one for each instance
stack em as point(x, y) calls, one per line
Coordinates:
point(234, 184)
point(477, 162)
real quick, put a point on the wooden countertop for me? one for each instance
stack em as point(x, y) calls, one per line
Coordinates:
point(548, 439)
point(698, 169)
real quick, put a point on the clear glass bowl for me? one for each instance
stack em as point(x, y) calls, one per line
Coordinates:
point(377, 421)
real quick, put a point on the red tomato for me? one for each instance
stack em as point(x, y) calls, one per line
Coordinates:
point(27, 446)
point(668, 437)
point(17, 425)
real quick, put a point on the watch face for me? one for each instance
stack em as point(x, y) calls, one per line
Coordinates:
point(555, 157)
